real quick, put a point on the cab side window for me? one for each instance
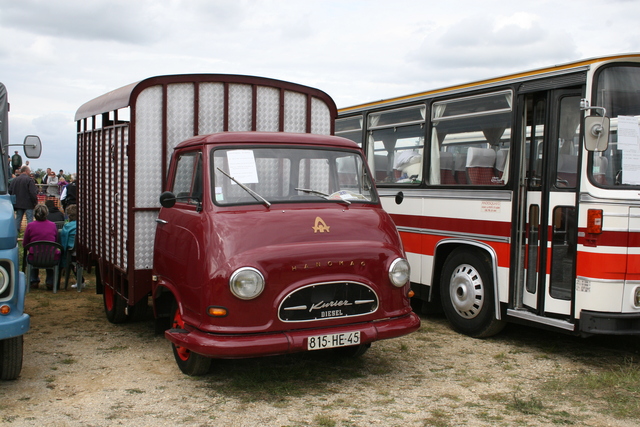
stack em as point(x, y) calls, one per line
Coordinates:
point(187, 184)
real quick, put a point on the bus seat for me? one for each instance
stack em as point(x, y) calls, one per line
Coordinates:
point(380, 164)
point(460, 167)
point(480, 163)
point(567, 170)
point(501, 161)
point(446, 168)
point(600, 165)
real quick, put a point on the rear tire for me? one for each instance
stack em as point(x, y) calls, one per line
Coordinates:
point(11, 351)
point(114, 306)
point(190, 363)
point(466, 290)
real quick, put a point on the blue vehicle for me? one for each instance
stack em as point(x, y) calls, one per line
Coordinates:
point(14, 322)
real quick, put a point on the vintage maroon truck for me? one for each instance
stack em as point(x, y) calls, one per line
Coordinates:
point(228, 202)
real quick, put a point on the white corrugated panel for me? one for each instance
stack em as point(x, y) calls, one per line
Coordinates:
point(268, 105)
point(211, 114)
point(320, 117)
point(145, 223)
point(149, 172)
point(240, 107)
point(295, 112)
point(180, 114)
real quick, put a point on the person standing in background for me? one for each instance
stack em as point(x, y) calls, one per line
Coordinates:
point(24, 188)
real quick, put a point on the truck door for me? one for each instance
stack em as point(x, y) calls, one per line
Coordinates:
point(179, 234)
point(548, 215)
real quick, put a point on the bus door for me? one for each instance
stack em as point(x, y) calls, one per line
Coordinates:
point(549, 182)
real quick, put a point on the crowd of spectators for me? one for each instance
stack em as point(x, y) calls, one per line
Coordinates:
point(40, 198)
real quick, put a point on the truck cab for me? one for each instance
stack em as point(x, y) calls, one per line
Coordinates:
point(14, 322)
point(273, 243)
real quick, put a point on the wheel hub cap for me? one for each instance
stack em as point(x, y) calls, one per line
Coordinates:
point(466, 291)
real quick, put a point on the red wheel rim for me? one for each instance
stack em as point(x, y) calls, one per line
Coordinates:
point(182, 352)
point(108, 298)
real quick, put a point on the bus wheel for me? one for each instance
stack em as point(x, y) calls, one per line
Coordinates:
point(190, 363)
point(11, 358)
point(114, 305)
point(467, 294)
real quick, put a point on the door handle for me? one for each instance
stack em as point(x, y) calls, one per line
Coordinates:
point(161, 221)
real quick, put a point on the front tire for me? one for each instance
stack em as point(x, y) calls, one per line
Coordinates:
point(11, 351)
point(466, 290)
point(190, 363)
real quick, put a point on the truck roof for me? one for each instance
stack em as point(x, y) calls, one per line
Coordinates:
point(126, 95)
point(260, 138)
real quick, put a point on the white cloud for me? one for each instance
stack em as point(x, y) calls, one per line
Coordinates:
point(56, 55)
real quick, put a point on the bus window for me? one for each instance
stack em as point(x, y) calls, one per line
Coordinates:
point(395, 145)
point(470, 140)
point(617, 90)
point(350, 128)
point(568, 137)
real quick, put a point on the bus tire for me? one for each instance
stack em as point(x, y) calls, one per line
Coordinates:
point(467, 294)
point(114, 306)
point(190, 363)
point(11, 358)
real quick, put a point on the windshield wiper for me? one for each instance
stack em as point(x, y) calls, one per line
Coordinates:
point(323, 195)
point(247, 189)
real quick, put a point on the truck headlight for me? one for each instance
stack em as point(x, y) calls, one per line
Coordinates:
point(5, 280)
point(246, 283)
point(399, 272)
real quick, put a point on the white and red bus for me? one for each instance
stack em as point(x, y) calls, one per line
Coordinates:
point(518, 197)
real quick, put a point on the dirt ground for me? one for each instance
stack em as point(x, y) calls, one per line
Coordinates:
point(80, 370)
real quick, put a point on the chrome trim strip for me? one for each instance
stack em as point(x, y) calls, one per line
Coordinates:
point(590, 198)
point(557, 323)
point(455, 234)
point(494, 265)
point(592, 279)
point(457, 194)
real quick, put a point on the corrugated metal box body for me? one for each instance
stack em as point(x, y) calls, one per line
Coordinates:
point(125, 141)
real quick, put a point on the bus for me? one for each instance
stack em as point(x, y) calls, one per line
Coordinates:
point(517, 198)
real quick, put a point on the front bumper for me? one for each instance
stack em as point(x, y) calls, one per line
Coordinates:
point(253, 345)
point(599, 323)
point(14, 326)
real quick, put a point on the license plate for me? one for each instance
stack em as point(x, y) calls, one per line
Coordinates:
point(333, 340)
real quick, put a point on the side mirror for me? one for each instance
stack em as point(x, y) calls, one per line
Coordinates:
point(167, 199)
point(596, 133)
point(32, 146)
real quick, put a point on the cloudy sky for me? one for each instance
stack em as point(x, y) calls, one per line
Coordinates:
point(57, 54)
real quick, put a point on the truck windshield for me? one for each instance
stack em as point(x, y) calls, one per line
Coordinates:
point(289, 174)
point(618, 90)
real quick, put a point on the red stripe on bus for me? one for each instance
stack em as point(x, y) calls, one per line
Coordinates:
point(602, 266)
point(425, 244)
point(609, 238)
point(472, 226)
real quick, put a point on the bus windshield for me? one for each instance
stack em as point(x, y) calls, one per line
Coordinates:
point(618, 91)
point(289, 175)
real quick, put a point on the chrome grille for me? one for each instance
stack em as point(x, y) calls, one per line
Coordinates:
point(322, 301)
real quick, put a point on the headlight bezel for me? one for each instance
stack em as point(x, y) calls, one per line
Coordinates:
point(399, 272)
point(241, 290)
point(5, 279)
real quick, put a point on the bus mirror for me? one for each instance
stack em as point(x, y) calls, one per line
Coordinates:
point(596, 133)
point(32, 146)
